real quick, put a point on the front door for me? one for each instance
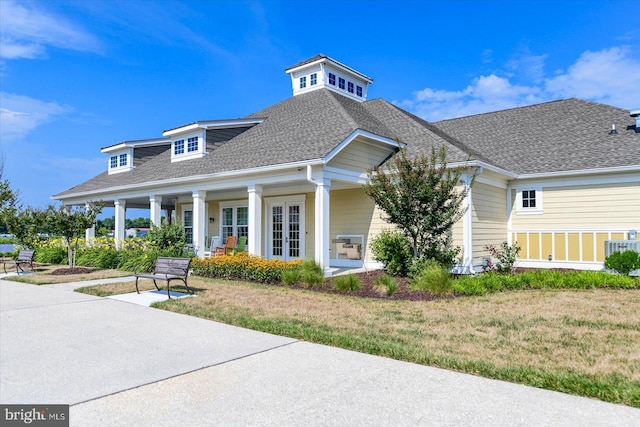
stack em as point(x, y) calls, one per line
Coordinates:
point(286, 230)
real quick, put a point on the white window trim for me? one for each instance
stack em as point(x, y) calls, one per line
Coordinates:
point(538, 210)
point(117, 169)
point(233, 204)
point(188, 207)
point(187, 155)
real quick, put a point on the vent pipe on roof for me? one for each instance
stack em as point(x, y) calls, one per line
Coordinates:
point(636, 114)
point(613, 130)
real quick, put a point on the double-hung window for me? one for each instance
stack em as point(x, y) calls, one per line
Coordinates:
point(113, 162)
point(359, 91)
point(235, 221)
point(314, 79)
point(303, 82)
point(178, 147)
point(332, 79)
point(350, 87)
point(192, 144)
point(123, 159)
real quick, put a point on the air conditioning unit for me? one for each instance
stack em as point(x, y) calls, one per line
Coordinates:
point(611, 246)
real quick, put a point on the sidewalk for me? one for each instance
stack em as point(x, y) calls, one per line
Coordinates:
point(125, 364)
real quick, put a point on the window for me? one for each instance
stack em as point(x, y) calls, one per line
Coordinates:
point(314, 79)
point(529, 199)
point(123, 159)
point(192, 144)
point(187, 222)
point(359, 91)
point(303, 82)
point(350, 87)
point(113, 162)
point(332, 79)
point(341, 83)
point(235, 221)
point(178, 147)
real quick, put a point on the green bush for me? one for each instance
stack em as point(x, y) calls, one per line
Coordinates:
point(136, 260)
point(393, 250)
point(243, 266)
point(167, 240)
point(506, 255)
point(432, 277)
point(623, 262)
point(387, 282)
point(311, 274)
point(347, 283)
point(291, 277)
point(51, 255)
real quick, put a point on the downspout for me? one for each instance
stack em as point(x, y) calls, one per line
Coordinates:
point(310, 179)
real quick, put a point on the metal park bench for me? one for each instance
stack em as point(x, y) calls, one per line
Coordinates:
point(24, 257)
point(168, 269)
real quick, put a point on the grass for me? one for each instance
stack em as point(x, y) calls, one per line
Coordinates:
point(43, 276)
point(583, 342)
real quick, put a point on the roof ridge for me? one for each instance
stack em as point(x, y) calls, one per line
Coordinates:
point(521, 107)
point(342, 110)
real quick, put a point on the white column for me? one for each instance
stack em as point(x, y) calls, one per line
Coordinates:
point(199, 222)
point(255, 219)
point(155, 207)
point(121, 213)
point(467, 227)
point(90, 233)
point(323, 188)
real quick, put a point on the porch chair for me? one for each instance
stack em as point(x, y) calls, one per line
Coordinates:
point(215, 242)
point(242, 244)
point(228, 247)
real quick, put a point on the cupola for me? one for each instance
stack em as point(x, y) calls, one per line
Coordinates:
point(322, 72)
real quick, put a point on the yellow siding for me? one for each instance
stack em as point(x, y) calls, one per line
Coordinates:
point(600, 239)
point(309, 220)
point(489, 218)
point(560, 247)
point(521, 239)
point(534, 246)
point(574, 247)
point(360, 156)
point(589, 207)
point(547, 245)
point(587, 247)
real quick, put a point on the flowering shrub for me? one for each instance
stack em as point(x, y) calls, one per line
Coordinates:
point(243, 266)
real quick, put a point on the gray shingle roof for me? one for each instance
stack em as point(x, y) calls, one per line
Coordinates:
point(564, 135)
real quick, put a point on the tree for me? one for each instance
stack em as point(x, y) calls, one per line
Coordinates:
point(420, 197)
point(71, 224)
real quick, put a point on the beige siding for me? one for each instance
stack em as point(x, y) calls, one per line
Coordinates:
point(309, 219)
point(489, 224)
point(360, 156)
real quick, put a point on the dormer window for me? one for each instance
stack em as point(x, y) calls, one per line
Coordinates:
point(332, 79)
point(314, 79)
point(303, 82)
point(178, 147)
point(192, 144)
point(113, 162)
point(341, 83)
point(123, 159)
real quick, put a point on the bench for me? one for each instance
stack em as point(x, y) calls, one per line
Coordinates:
point(168, 269)
point(24, 257)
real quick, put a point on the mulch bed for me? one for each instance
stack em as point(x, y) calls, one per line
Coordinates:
point(69, 271)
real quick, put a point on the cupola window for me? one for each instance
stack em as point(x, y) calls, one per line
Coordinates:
point(332, 79)
point(303, 82)
point(314, 79)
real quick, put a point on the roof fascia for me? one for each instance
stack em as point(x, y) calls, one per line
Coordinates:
point(483, 165)
point(212, 124)
point(361, 133)
point(597, 171)
point(135, 144)
point(192, 179)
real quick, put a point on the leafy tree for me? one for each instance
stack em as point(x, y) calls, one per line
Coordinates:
point(420, 197)
point(71, 224)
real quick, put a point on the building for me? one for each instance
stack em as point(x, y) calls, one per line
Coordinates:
point(554, 177)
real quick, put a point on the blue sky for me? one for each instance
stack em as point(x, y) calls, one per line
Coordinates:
point(80, 75)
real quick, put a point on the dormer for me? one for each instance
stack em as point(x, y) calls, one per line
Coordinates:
point(196, 139)
point(321, 72)
point(126, 155)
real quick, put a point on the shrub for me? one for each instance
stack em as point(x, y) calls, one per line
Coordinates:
point(432, 277)
point(506, 255)
point(51, 255)
point(392, 249)
point(347, 283)
point(387, 282)
point(311, 273)
point(167, 240)
point(291, 277)
point(623, 262)
point(243, 266)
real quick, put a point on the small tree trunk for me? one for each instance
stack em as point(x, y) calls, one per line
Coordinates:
point(70, 254)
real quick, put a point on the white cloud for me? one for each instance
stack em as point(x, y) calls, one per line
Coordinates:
point(19, 114)
point(26, 29)
point(610, 76)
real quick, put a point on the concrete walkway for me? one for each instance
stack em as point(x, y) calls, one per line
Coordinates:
point(125, 364)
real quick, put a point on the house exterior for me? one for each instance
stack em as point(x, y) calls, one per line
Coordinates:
point(552, 176)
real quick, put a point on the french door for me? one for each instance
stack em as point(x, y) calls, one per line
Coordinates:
point(286, 230)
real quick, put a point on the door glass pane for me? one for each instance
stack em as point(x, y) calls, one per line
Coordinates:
point(294, 231)
point(277, 236)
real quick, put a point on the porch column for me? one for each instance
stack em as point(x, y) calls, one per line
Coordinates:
point(199, 222)
point(120, 209)
point(155, 207)
point(467, 228)
point(323, 188)
point(255, 219)
point(90, 233)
